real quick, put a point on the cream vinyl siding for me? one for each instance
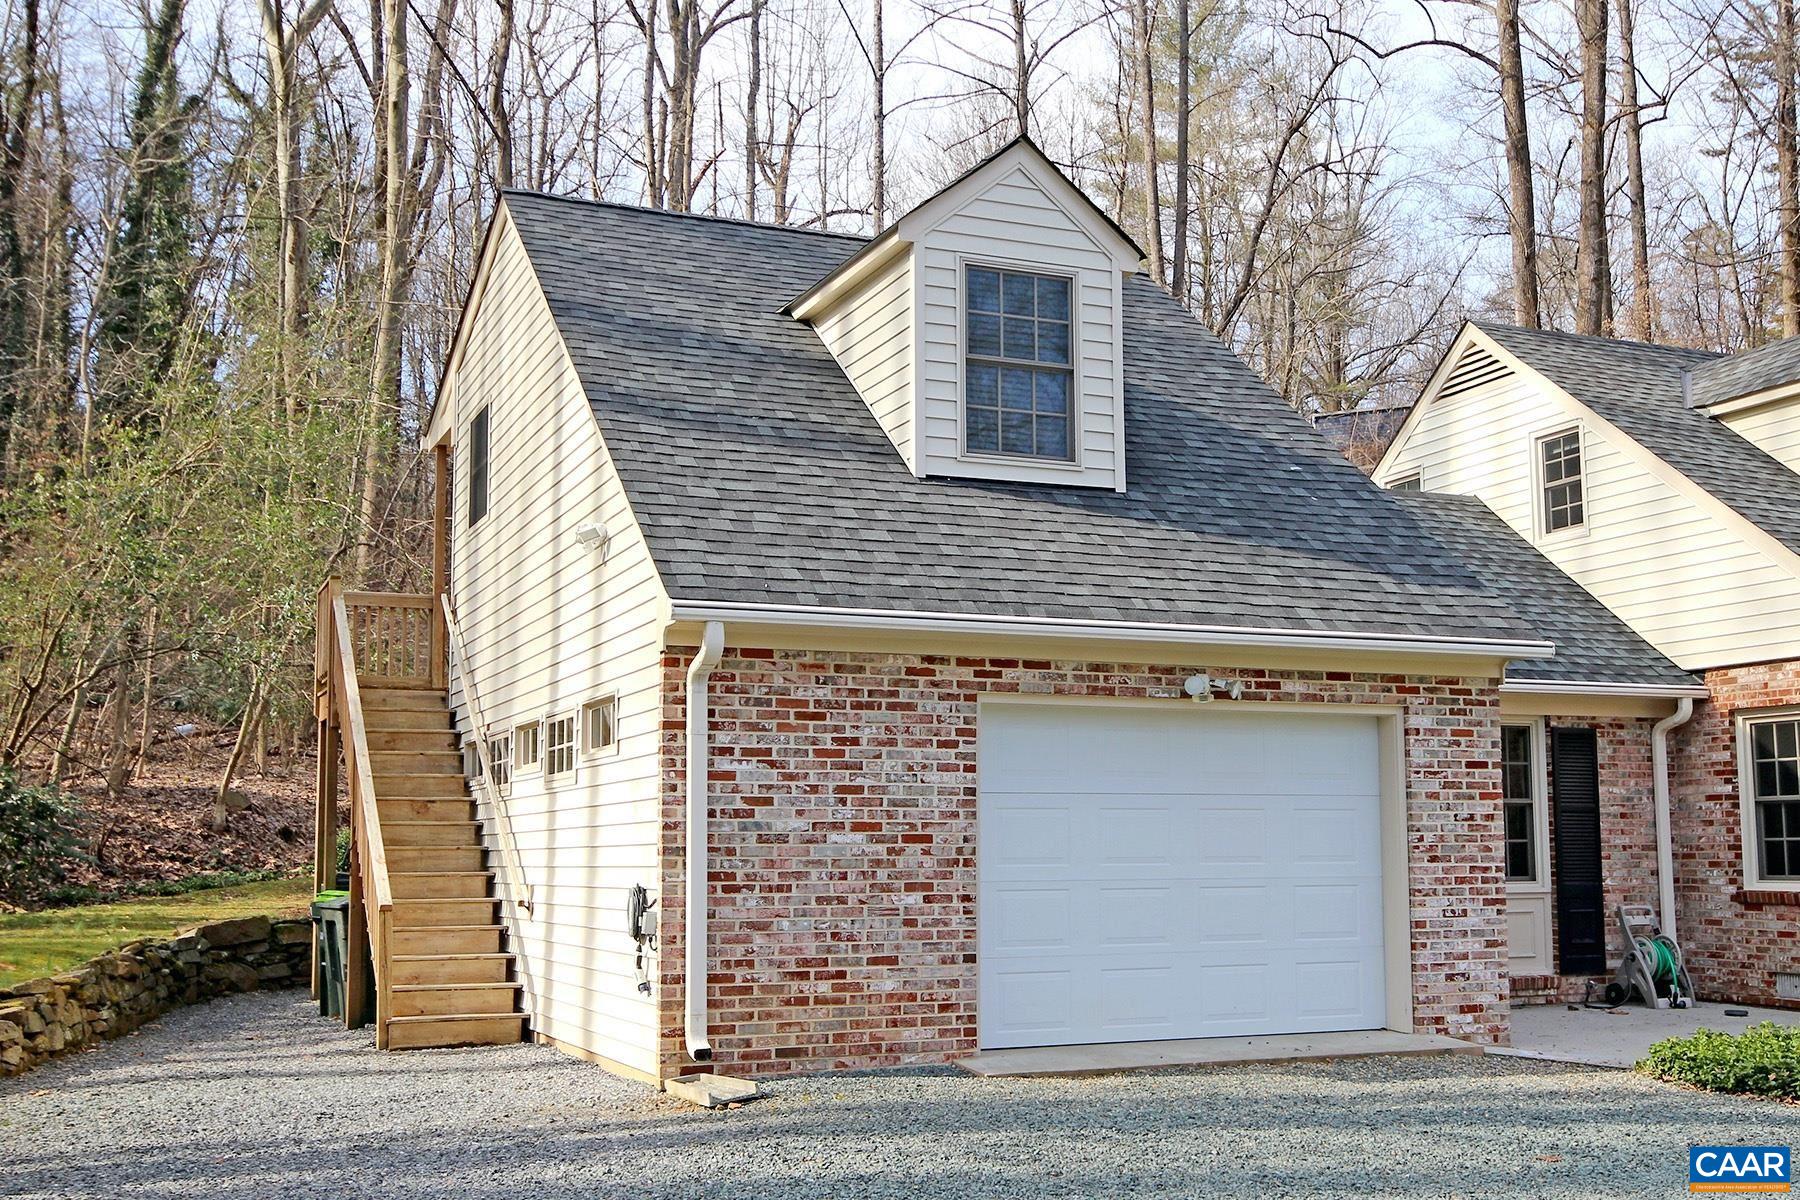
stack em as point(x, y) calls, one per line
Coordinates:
point(549, 626)
point(870, 335)
point(1014, 222)
point(1675, 572)
point(1774, 427)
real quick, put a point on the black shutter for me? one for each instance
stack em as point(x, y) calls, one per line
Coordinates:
point(1580, 893)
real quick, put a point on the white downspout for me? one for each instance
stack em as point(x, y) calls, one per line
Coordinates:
point(712, 645)
point(1665, 847)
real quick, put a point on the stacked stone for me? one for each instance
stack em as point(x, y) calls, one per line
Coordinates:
point(121, 990)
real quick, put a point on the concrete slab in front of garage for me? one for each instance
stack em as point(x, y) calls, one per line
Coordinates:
point(1205, 1052)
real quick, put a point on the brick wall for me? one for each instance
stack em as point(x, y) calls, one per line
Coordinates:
point(1734, 943)
point(843, 847)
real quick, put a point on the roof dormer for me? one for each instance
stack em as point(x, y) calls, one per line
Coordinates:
point(983, 329)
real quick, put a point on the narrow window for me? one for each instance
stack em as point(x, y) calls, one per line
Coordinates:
point(559, 746)
point(599, 725)
point(500, 758)
point(1518, 787)
point(525, 746)
point(471, 762)
point(1407, 483)
point(1775, 796)
point(478, 467)
point(1560, 456)
point(1018, 381)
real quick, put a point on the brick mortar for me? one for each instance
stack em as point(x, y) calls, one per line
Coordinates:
point(843, 846)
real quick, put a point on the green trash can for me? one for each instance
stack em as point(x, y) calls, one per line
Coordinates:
point(331, 928)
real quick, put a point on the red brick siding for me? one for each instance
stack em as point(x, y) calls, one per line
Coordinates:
point(1734, 947)
point(843, 852)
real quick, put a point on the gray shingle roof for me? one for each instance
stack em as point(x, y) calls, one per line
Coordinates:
point(759, 476)
point(1592, 644)
point(1638, 387)
point(1741, 374)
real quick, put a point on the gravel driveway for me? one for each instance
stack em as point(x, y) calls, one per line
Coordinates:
point(253, 1096)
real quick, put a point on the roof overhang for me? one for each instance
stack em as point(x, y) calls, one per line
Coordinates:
point(848, 275)
point(1734, 405)
point(1197, 636)
point(1566, 687)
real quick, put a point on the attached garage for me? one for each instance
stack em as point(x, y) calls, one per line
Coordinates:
point(1182, 870)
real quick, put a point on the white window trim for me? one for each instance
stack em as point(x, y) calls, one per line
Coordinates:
point(504, 735)
point(1540, 814)
point(606, 751)
point(1540, 512)
point(1746, 773)
point(536, 765)
point(561, 778)
point(1077, 420)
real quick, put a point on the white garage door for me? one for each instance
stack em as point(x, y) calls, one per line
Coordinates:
point(1189, 871)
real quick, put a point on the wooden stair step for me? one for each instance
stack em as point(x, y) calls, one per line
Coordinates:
point(448, 939)
point(464, 1029)
point(420, 885)
point(390, 699)
point(439, 911)
point(396, 720)
point(425, 785)
point(402, 810)
point(453, 999)
point(420, 834)
point(416, 762)
point(412, 740)
point(412, 859)
point(450, 968)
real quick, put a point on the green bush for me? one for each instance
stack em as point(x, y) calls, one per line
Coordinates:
point(1764, 1060)
point(343, 850)
point(41, 830)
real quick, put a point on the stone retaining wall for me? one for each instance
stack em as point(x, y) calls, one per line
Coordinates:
point(119, 991)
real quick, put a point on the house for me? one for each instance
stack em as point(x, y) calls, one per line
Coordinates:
point(1012, 664)
point(1662, 481)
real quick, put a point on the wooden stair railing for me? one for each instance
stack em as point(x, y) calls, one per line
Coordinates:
point(371, 892)
point(509, 848)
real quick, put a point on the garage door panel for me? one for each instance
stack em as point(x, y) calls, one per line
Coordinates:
point(1162, 874)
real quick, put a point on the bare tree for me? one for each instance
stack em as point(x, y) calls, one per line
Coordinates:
point(1592, 284)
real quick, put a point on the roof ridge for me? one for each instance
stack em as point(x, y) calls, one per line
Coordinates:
point(651, 210)
point(1708, 355)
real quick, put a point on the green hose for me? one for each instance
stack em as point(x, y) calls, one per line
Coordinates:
point(1660, 956)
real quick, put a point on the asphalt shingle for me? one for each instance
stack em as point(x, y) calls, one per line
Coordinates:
point(1592, 644)
point(1735, 375)
point(759, 476)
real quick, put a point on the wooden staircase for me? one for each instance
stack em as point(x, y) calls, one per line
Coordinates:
point(424, 917)
point(451, 980)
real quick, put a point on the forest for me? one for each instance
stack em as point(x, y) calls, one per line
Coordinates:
point(235, 236)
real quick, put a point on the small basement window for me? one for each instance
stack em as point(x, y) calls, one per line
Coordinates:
point(471, 762)
point(525, 746)
point(559, 746)
point(478, 467)
point(1774, 788)
point(500, 758)
point(1559, 459)
point(1017, 380)
point(599, 725)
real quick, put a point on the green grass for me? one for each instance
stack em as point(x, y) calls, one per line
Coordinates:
point(43, 943)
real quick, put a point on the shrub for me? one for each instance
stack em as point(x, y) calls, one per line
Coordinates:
point(343, 850)
point(1764, 1060)
point(40, 838)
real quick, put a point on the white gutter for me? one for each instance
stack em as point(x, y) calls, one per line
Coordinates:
point(712, 645)
point(1659, 771)
point(1130, 631)
point(1560, 687)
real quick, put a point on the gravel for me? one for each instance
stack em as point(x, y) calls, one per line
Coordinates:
point(255, 1096)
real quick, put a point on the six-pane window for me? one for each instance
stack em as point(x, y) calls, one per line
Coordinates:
point(500, 758)
point(1563, 500)
point(1018, 381)
point(559, 746)
point(478, 467)
point(1775, 791)
point(1518, 789)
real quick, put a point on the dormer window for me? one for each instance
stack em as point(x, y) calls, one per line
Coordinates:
point(1018, 382)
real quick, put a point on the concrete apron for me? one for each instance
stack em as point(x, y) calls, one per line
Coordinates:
point(1205, 1052)
point(1620, 1037)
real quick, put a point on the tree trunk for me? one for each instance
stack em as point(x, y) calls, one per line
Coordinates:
point(1021, 97)
point(752, 87)
point(118, 750)
point(149, 697)
point(1142, 32)
point(1643, 318)
point(1590, 248)
point(221, 813)
point(878, 59)
point(500, 119)
point(1522, 202)
point(1184, 107)
point(1787, 168)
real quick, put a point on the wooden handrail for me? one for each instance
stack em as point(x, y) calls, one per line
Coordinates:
point(362, 774)
point(509, 848)
point(389, 599)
